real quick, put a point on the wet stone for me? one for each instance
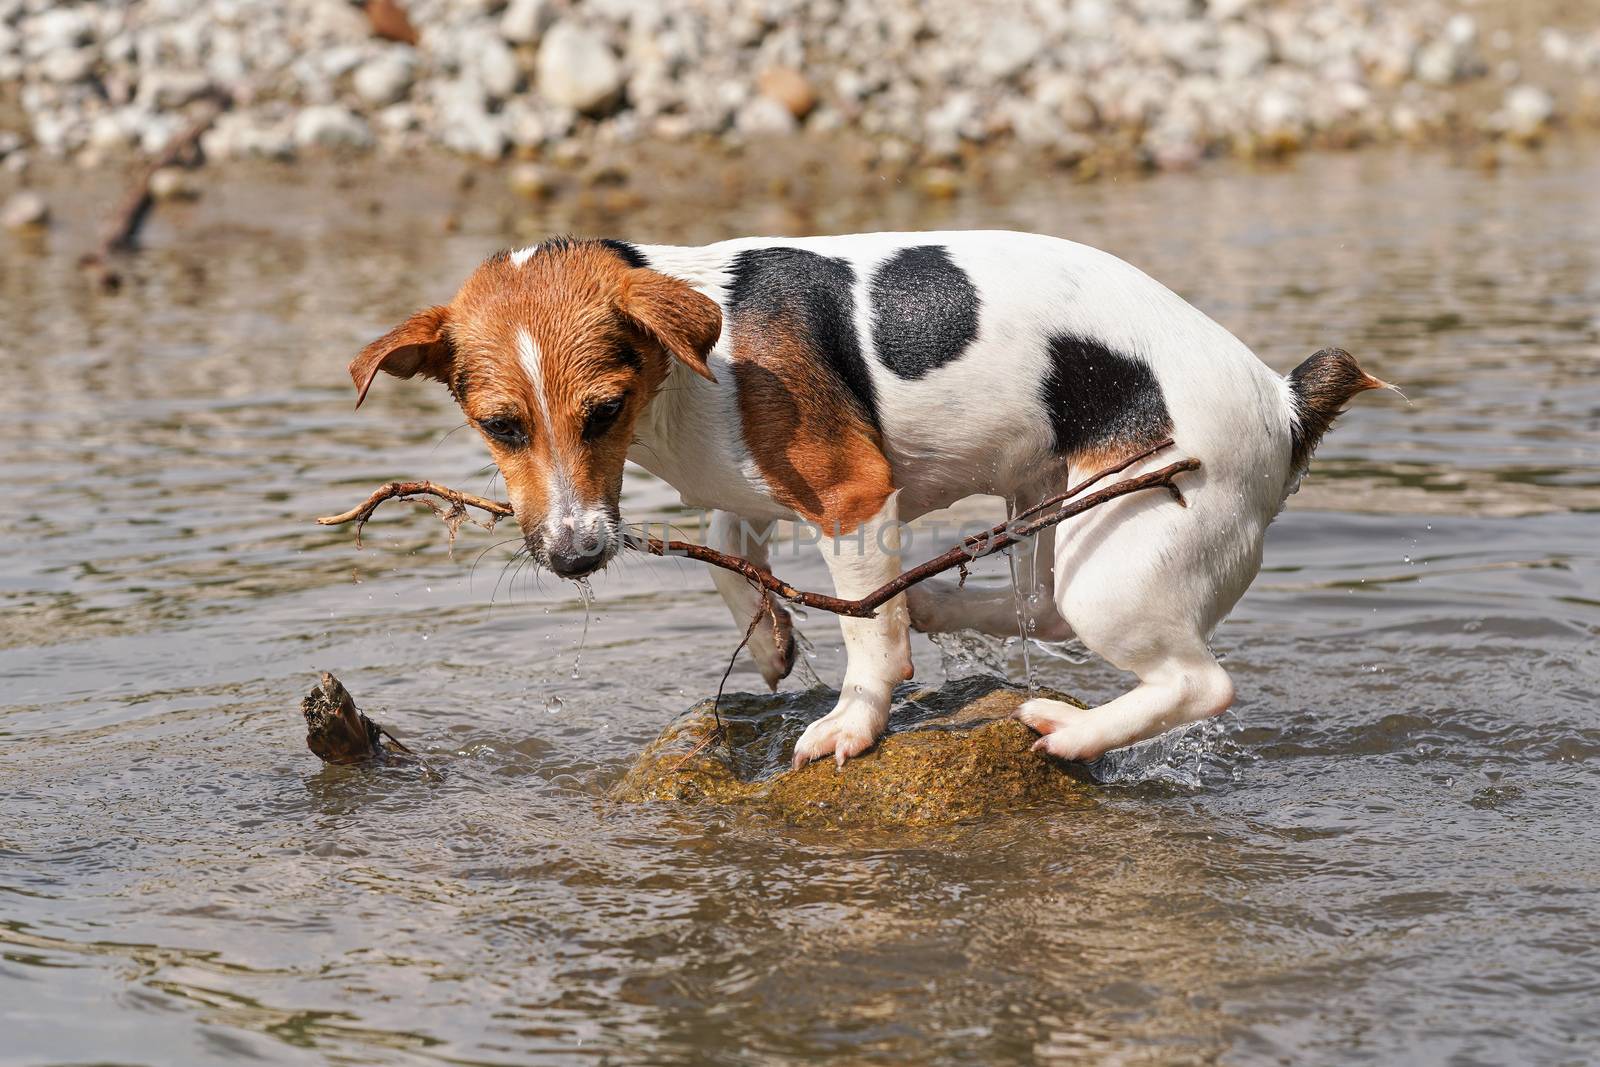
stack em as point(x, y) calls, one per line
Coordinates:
point(951, 754)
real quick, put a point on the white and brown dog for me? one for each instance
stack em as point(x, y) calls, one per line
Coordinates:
point(857, 382)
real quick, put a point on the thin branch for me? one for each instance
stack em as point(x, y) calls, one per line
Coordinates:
point(452, 517)
point(122, 229)
point(1027, 523)
point(1060, 498)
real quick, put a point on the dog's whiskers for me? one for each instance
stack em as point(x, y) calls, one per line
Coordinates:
point(447, 435)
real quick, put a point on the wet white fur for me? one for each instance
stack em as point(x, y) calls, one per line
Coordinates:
point(588, 519)
point(879, 649)
point(1141, 581)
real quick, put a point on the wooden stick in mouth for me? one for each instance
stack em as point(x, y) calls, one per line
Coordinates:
point(454, 511)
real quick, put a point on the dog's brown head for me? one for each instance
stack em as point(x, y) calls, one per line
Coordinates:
point(553, 353)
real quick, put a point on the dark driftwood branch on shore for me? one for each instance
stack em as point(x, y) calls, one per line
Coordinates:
point(1019, 528)
point(122, 229)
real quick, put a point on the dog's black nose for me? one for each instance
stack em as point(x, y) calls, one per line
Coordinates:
point(572, 556)
point(574, 564)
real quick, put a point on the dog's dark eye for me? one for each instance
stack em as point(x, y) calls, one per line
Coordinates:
point(503, 428)
point(601, 416)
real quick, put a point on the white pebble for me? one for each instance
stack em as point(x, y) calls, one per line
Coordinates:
point(329, 126)
point(1528, 110)
point(525, 20)
point(386, 77)
point(578, 69)
point(25, 210)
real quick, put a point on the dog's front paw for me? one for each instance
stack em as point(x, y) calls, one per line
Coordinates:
point(1069, 733)
point(848, 730)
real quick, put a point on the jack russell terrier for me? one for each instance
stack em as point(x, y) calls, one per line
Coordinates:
point(858, 382)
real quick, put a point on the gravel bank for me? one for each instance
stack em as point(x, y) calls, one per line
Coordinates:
point(1162, 83)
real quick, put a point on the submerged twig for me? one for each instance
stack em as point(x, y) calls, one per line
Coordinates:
point(122, 229)
point(1047, 513)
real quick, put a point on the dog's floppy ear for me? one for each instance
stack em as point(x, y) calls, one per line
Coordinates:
point(418, 345)
point(687, 323)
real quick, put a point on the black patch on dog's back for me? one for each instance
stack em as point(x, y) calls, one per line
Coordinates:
point(1097, 397)
point(813, 292)
point(628, 253)
point(924, 311)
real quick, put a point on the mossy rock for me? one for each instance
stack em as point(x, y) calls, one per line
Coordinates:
point(950, 755)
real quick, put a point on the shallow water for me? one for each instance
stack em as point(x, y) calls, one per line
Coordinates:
point(1387, 852)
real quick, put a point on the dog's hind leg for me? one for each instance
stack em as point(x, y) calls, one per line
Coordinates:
point(1143, 582)
point(878, 649)
point(939, 606)
point(771, 643)
point(1184, 686)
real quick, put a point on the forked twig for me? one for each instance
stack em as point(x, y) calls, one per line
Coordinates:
point(452, 517)
point(1047, 513)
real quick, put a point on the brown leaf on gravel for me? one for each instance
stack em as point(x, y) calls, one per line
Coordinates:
point(389, 21)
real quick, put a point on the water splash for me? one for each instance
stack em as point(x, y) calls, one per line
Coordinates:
point(802, 664)
point(585, 594)
point(1023, 624)
point(1070, 651)
point(1193, 757)
point(969, 654)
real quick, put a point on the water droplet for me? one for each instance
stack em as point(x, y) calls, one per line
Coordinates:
point(553, 705)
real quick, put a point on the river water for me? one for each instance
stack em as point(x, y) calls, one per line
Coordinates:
point(1389, 851)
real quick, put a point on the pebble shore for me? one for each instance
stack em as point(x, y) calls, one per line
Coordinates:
point(1162, 83)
